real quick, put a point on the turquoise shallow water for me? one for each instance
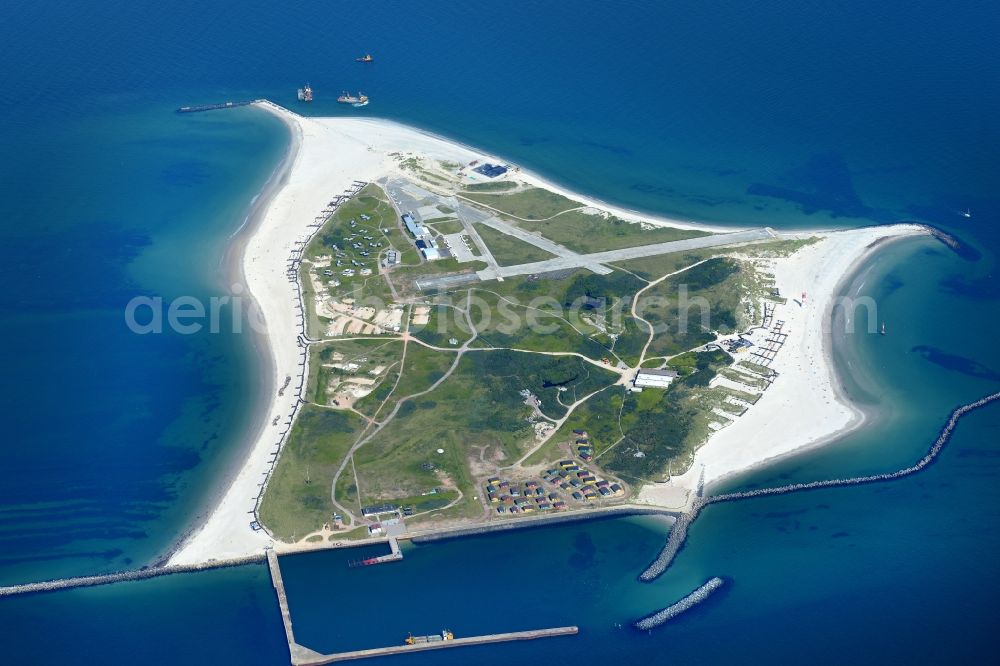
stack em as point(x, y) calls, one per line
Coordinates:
point(789, 113)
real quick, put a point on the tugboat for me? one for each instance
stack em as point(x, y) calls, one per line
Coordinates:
point(347, 98)
point(306, 94)
point(365, 58)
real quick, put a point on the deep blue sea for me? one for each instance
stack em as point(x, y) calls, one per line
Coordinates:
point(786, 113)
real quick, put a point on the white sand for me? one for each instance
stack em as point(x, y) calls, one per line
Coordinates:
point(802, 408)
point(331, 153)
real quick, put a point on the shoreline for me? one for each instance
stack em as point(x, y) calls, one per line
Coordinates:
point(231, 265)
point(327, 155)
point(862, 416)
point(816, 374)
point(266, 372)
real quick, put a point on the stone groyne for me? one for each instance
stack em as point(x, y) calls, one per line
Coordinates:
point(679, 532)
point(685, 604)
point(137, 574)
point(676, 538)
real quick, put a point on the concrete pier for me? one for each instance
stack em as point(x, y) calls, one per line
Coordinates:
point(299, 654)
point(438, 645)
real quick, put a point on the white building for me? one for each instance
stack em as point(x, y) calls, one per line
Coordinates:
point(654, 378)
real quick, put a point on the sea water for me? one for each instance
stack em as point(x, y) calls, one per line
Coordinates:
point(791, 114)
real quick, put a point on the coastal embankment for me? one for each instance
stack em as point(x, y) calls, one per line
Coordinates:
point(678, 534)
point(687, 603)
point(544, 521)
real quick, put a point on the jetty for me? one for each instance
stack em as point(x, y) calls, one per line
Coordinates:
point(212, 107)
point(486, 639)
point(395, 555)
point(303, 656)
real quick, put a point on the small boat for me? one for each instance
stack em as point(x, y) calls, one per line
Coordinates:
point(967, 213)
point(346, 98)
point(882, 330)
point(306, 94)
point(365, 58)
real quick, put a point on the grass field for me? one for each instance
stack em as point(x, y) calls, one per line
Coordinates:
point(510, 251)
point(368, 355)
point(421, 367)
point(585, 232)
point(686, 309)
point(297, 500)
point(530, 204)
point(445, 226)
point(351, 242)
point(477, 414)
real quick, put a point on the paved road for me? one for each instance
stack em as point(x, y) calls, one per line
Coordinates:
point(624, 254)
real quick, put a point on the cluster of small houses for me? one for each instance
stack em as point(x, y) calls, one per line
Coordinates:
point(583, 447)
point(524, 497)
point(530, 496)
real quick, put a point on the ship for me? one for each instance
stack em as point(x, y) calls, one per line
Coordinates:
point(347, 98)
point(445, 635)
point(365, 58)
point(306, 94)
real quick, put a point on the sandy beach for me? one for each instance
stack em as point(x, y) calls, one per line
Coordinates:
point(329, 154)
point(804, 407)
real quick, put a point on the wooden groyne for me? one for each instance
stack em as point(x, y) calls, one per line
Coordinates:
point(685, 604)
point(678, 534)
point(439, 645)
point(120, 576)
point(292, 273)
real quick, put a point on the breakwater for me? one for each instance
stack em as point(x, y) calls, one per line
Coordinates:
point(120, 576)
point(212, 107)
point(679, 532)
point(685, 604)
point(488, 639)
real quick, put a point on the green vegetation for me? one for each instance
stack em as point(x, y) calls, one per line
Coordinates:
point(368, 355)
point(510, 251)
point(477, 412)
point(587, 232)
point(498, 186)
point(332, 251)
point(438, 418)
point(598, 416)
point(297, 501)
point(669, 425)
point(687, 308)
point(444, 323)
point(421, 367)
point(651, 268)
point(530, 204)
point(445, 226)
point(506, 324)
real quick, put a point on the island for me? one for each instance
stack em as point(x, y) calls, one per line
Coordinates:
point(460, 343)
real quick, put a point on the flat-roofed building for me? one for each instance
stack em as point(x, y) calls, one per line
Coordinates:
point(654, 378)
